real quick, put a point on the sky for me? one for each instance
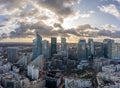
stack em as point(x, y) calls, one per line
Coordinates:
point(73, 19)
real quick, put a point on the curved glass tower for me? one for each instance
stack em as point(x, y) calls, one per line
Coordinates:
point(37, 46)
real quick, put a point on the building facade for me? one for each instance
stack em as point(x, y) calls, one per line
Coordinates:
point(12, 54)
point(53, 45)
point(45, 49)
point(81, 50)
point(37, 46)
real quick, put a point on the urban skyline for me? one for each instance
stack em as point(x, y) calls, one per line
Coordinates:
point(86, 64)
point(59, 43)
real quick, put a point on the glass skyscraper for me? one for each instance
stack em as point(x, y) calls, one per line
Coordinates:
point(12, 54)
point(81, 50)
point(37, 46)
point(107, 47)
point(63, 44)
point(53, 45)
point(90, 48)
point(45, 49)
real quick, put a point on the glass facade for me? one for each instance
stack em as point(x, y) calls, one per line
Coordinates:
point(37, 46)
point(53, 45)
point(81, 50)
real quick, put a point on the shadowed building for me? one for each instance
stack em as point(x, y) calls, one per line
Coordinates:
point(12, 54)
point(81, 50)
point(53, 46)
point(107, 47)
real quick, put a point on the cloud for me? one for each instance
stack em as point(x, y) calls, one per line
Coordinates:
point(109, 31)
point(86, 30)
point(60, 7)
point(85, 15)
point(2, 25)
point(3, 36)
point(57, 25)
point(109, 27)
point(110, 9)
point(26, 30)
point(118, 1)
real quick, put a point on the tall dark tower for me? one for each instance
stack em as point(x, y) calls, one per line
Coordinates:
point(53, 45)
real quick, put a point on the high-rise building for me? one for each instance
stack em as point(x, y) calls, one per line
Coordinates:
point(115, 51)
point(37, 46)
point(64, 45)
point(45, 49)
point(12, 54)
point(53, 45)
point(90, 48)
point(107, 47)
point(72, 53)
point(98, 49)
point(81, 50)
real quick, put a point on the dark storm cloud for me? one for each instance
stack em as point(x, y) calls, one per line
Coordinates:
point(105, 33)
point(83, 27)
point(25, 29)
point(57, 25)
point(3, 35)
point(79, 31)
point(109, 33)
point(60, 7)
point(2, 25)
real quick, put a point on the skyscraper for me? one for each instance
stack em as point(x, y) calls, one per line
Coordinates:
point(81, 50)
point(115, 51)
point(45, 49)
point(90, 48)
point(37, 46)
point(64, 45)
point(53, 45)
point(98, 47)
point(12, 54)
point(107, 47)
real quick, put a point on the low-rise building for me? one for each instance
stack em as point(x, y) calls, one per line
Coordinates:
point(78, 83)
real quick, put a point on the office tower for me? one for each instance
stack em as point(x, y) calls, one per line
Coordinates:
point(118, 50)
point(107, 47)
point(81, 50)
point(90, 48)
point(53, 45)
point(72, 54)
point(115, 51)
point(45, 49)
point(37, 46)
point(64, 45)
point(98, 48)
point(12, 54)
